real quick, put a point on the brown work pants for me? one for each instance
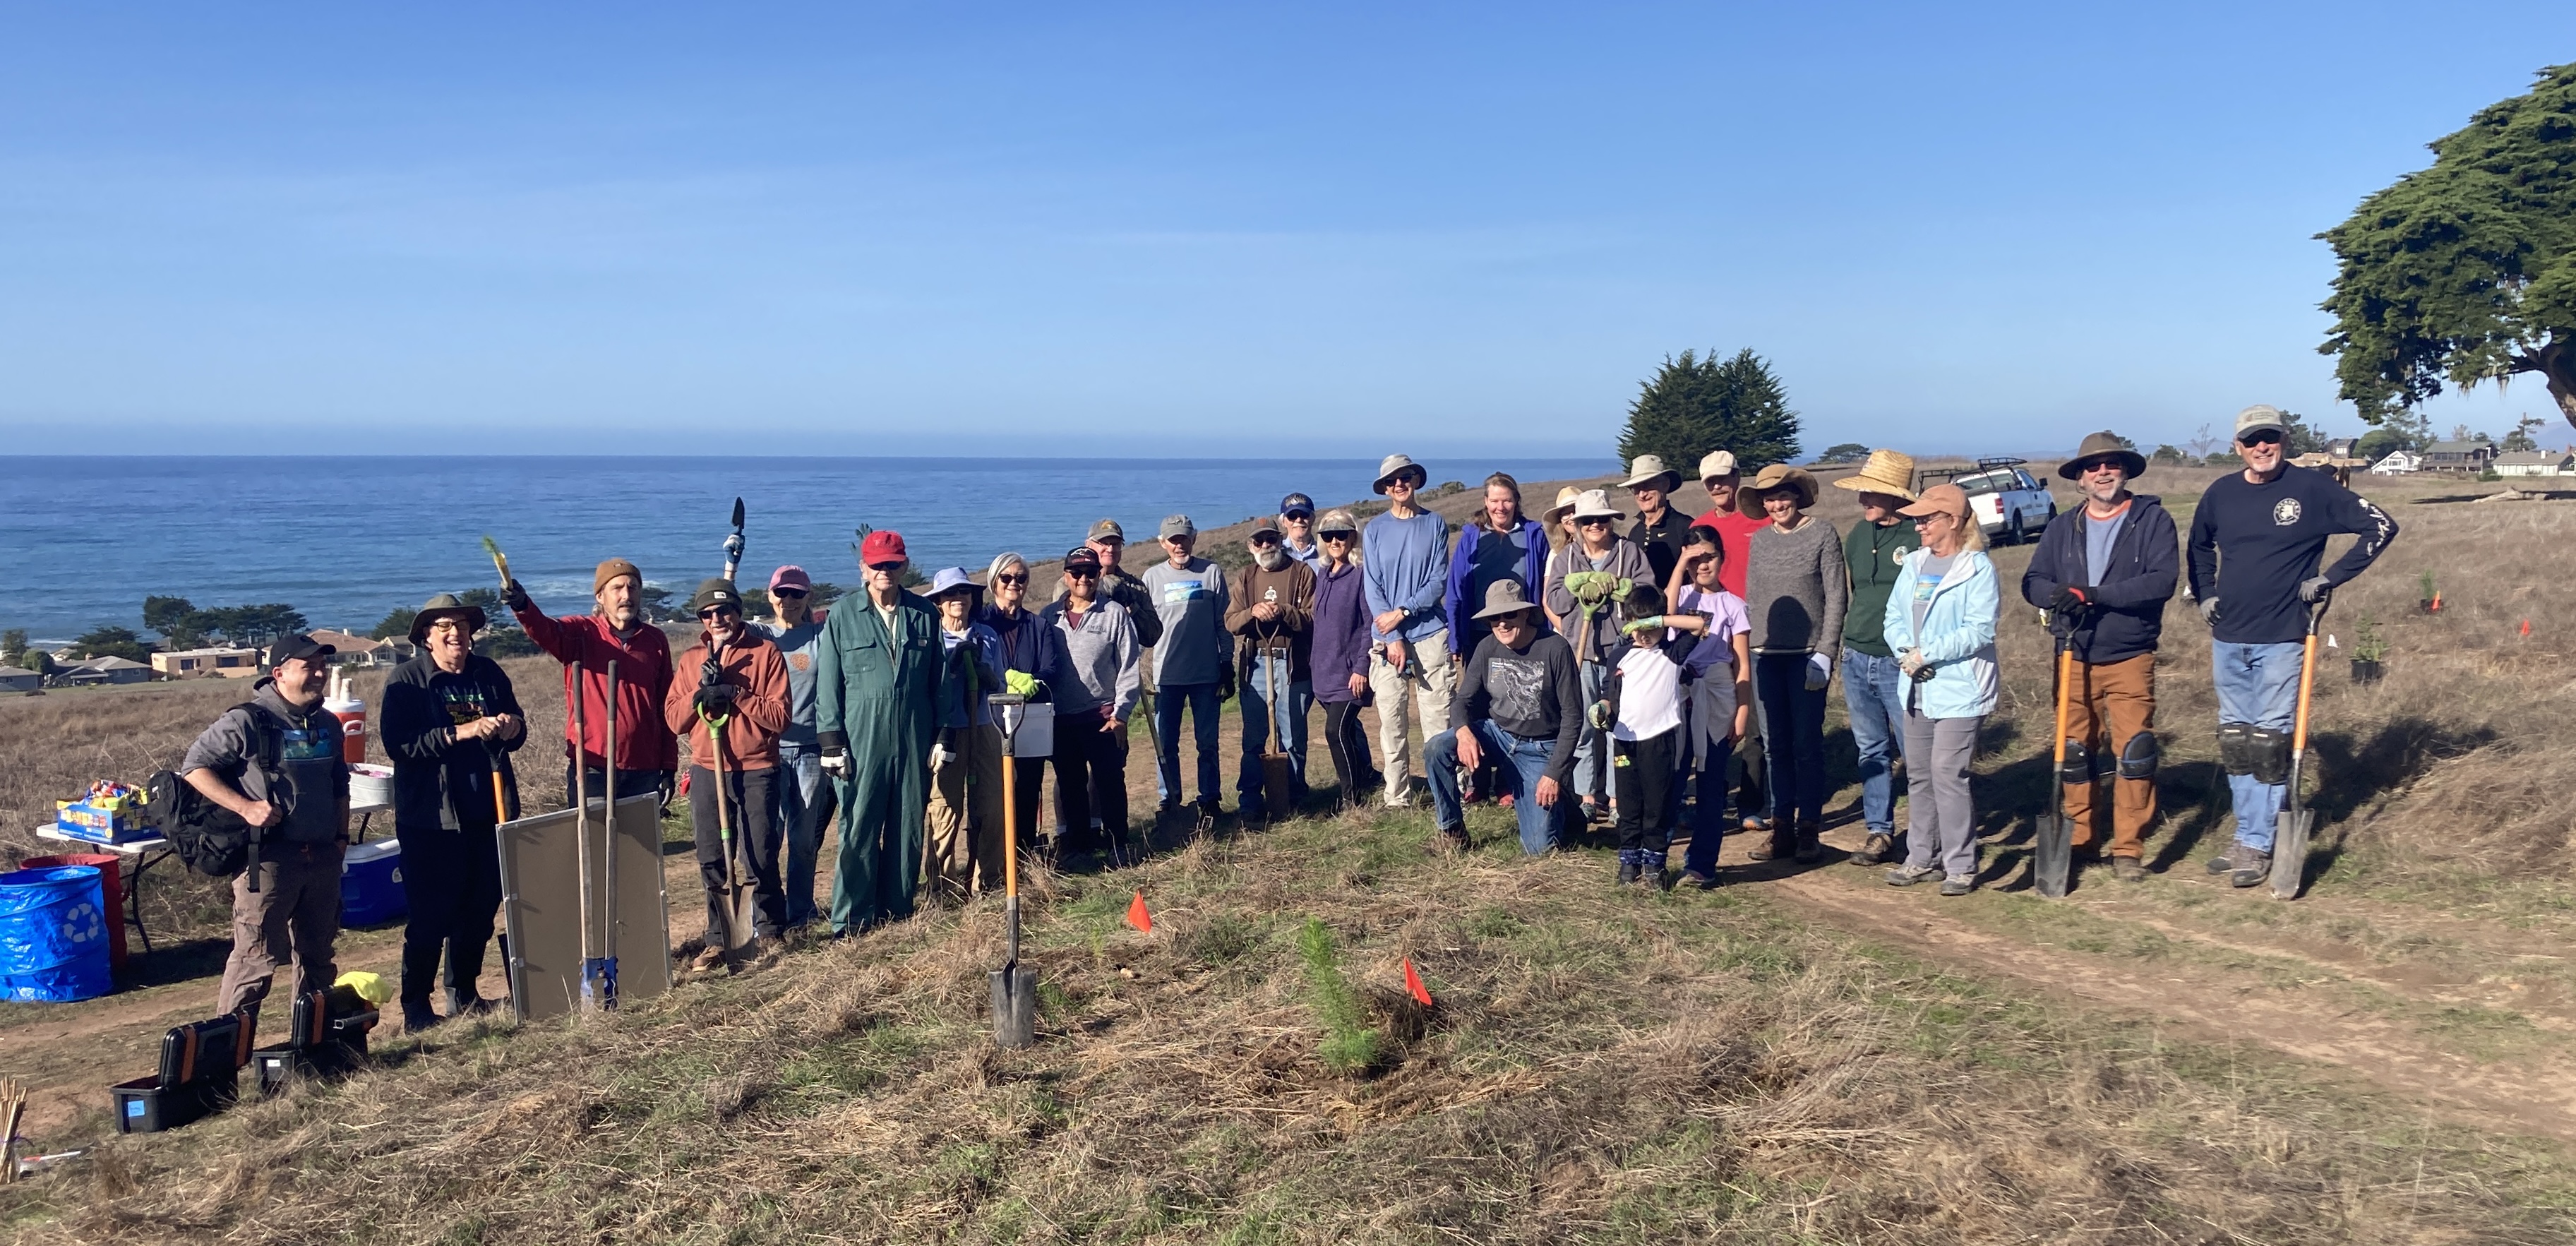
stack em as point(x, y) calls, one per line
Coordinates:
point(2111, 703)
point(965, 842)
point(294, 916)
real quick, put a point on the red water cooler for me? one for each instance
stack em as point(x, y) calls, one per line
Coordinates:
point(342, 702)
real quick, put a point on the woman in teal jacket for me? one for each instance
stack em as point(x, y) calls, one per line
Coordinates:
point(1941, 625)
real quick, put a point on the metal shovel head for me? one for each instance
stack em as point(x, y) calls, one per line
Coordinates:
point(1015, 1006)
point(2290, 852)
point(2052, 855)
point(1278, 785)
point(745, 909)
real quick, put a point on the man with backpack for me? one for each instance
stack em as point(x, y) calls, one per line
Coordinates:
point(274, 762)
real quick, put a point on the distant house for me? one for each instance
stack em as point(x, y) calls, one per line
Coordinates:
point(229, 663)
point(354, 650)
point(2398, 463)
point(2459, 458)
point(111, 670)
point(2340, 447)
point(19, 679)
point(2536, 463)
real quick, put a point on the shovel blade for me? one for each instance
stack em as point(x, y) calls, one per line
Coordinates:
point(2290, 852)
point(2052, 855)
point(1015, 1006)
point(1278, 786)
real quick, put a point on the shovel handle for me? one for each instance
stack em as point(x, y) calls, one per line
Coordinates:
point(2307, 679)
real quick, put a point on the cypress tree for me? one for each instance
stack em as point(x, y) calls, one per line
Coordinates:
point(1696, 404)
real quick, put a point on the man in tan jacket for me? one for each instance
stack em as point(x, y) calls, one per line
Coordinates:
point(729, 691)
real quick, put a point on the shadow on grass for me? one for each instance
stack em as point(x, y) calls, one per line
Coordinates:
point(174, 962)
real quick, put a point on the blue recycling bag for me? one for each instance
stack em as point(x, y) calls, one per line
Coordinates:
point(53, 935)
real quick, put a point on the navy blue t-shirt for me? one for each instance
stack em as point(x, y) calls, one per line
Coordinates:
point(2252, 544)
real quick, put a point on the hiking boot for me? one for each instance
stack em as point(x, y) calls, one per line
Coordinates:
point(1874, 849)
point(1908, 875)
point(2253, 869)
point(418, 1016)
point(1958, 884)
point(1762, 849)
point(2224, 861)
point(1809, 844)
point(709, 959)
point(1705, 882)
point(1627, 871)
point(2128, 869)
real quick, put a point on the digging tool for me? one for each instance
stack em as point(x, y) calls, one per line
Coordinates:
point(737, 908)
point(1015, 986)
point(500, 561)
point(1277, 781)
point(590, 992)
point(733, 544)
point(2290, 832)
point(607, 975)
point(2053, 849)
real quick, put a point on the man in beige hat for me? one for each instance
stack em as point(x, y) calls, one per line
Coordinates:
point(1659, 530)
point(2104, 571)
point(1719, 474)
point(1405, 579)
point(1873, 685)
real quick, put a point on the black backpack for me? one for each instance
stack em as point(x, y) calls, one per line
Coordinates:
point(213, 840)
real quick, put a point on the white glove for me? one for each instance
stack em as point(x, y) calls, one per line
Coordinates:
point(1820, 671)
point(938, 756)
point(837, 765)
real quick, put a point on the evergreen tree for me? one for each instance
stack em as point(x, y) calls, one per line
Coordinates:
point(1695, 405)
point(107, 641)
point(13, 646)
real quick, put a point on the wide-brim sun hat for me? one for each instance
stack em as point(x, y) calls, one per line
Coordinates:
point(2104, 444)
point(441, 606)
point(1595, 504)
point(951, 579)
point(1887, 471)
point(1565, 499)
point(1395, 465)
point(1504, 597)
point(1649, 472)
point(1748, 498)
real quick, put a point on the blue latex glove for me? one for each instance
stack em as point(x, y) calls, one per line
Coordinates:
point(1820, 671)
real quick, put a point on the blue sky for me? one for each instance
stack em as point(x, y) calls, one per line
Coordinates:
point(916, 229)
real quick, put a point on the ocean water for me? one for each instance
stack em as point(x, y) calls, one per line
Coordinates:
point(345, 539)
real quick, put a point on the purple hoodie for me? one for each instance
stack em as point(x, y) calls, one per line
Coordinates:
point(1342, 633)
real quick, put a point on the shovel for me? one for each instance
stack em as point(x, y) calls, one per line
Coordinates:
point(2290, 833)
point(737, 906)
point(591, 995)
point(2053, 851)
point(1015, 986)
point(1277, 779)
point(607, 970)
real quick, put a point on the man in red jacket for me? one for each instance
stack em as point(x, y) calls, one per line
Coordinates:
point(645, 753)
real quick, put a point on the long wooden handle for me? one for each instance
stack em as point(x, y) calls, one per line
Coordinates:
point(1010, 829)
point(2065, 684)
point(2307, 678)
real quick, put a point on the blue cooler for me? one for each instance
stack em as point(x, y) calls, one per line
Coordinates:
point(371, 886)
point(53, 934)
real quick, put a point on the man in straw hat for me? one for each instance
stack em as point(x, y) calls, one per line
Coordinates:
point(2257, 538)
point(1405, 573)
point(2105, 570)
point(1796, 594)
point(585, 645)
point(450, 722)
point(1521, 697)
point(1660, 531)
point(1873, 685)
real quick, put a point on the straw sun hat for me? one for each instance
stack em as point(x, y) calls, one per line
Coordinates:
point(1748, 500)
point(1886, 472)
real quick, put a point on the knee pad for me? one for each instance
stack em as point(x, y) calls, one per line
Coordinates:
point(2236, 747)
point(2078, 767)
point(2271, 755)
point(2138, 756)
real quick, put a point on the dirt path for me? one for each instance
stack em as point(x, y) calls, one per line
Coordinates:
point(2488, 1049)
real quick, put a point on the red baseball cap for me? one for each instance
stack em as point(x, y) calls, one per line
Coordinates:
point(882, 545)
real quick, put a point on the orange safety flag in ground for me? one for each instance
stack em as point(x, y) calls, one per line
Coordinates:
point(2526, 629)
point(1138, 917)
point(1413, 983)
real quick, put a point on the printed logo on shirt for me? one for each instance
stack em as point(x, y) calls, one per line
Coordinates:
point(1177, 591)
point(464, 704)
point(310, 743)
point(799, 660)
point(2285, 512)
point(1270, 594)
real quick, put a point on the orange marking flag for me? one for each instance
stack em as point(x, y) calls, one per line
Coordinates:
point(1413, 983)
point(1138, 917)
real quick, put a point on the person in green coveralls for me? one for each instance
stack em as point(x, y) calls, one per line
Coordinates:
point(880, 693)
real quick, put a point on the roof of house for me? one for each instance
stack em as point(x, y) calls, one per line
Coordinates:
point(108, 663)
point(2531, 458)
point(13, 672)
point(2458, 447)
point(345, 642)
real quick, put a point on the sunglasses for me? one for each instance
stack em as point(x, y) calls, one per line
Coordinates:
point(712, 613)
point(888, 567)
point(1012, 580)
point(787, 592)
point(1072, 573)
point(2263, 438)
point(1339, 536)
point(1594, 521)
point(1264, 542)
point(2087, 469)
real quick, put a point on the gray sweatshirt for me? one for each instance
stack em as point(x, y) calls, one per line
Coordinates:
point(1626, 561)
point(1101, 666)
point(1196, 648)
point(1794, 589)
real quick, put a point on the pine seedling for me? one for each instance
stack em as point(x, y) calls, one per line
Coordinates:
point(1350, 1046)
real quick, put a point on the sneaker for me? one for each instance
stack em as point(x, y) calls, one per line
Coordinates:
point(1908, 875)
point(1757, 823)
point(1874, 849)
point(1705, 882)
point(2253, 869)
point(2128, 869)
point(1958, 884)
point(2224, 862)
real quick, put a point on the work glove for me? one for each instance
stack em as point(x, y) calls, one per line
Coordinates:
point(1912, 663)
point(1820, 671)
point(2209, 611)
point(2070, 602)
point(715, 700)
point(1225, 685)
point(1019, 683)
point(733, 547)
point(1591, 587)
point(514, 596)
point(1650, 623)
point(2315, 591)
point(938, 754)
point(836, 763)
point(1599, 716)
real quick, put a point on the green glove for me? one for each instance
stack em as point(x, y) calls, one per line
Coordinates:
point(1591, 587)
point(1599, 716)
point(1019, 683)
point(1650, 623)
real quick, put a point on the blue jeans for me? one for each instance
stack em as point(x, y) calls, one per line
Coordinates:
point(1793, 730)
point(1261, 717)
point(1874, 693)
point(1528, 760)
point(2257, 684)
point(1592, 745)
point(1200, 700)
point(800, 774)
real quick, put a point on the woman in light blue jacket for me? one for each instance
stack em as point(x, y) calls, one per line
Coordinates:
point(1941, 624)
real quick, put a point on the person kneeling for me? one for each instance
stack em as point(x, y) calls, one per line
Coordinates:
point(1522, 696)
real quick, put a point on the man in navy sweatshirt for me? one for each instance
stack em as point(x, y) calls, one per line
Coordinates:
point(2256, 540)
point(2104, 571)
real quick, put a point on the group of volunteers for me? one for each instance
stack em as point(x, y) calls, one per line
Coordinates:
point(1586, 666)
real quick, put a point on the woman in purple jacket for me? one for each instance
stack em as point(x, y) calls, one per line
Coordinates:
point(1499, 543)
point(1340, 658)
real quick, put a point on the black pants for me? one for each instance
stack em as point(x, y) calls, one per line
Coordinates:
point(1090, 781)
point(452, 885)
point(1348, 740)
point(760, 842)
point(1644, 774)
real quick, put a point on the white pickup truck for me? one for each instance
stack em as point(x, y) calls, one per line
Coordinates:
point(2011, 505)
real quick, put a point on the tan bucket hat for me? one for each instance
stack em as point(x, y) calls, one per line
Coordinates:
point(1593, 503)
point(2104, 444)
point(1565, 500)
point(1887, 471)
point(1748, 499)
point(1649, 472)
